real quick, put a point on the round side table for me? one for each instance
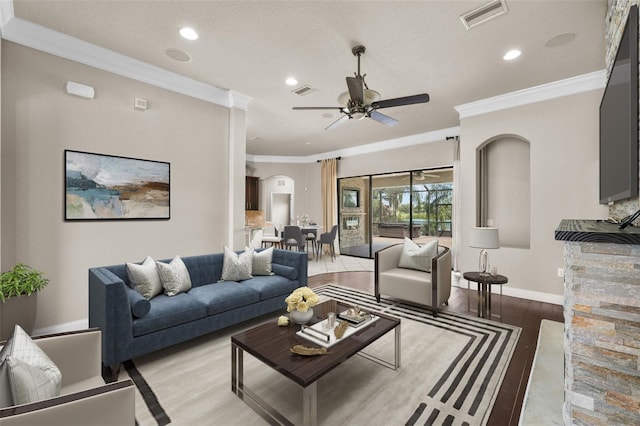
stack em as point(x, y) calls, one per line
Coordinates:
point(485, 281)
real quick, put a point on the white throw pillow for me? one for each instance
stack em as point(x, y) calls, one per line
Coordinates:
point(261, 264)
point(417, 257)
point(237, 267)
point(145, 278)
point(31, 374)
point(174, 276)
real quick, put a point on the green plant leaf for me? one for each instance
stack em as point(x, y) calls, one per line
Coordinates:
point(22, 279)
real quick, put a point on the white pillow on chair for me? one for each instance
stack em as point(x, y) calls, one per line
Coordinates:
point(30, 373)
point(417, 257)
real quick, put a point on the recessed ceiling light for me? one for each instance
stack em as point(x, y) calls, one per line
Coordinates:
point(307, 143)
point(291, 81)
point(328, 114)
point(178, 55)
point(560, 40)
point(511, 55)
point(189, 33)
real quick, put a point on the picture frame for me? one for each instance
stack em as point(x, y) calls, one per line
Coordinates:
point(110, 187)
point(350, 197)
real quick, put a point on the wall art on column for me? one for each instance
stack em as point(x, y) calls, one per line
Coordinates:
point(108, 187)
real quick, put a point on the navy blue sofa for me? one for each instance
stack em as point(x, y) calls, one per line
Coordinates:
point(208, 306)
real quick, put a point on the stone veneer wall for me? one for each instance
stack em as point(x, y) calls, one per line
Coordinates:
point(355, 236)
point(616, 19)
point(602, 341)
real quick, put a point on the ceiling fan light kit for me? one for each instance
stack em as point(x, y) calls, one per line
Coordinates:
point(360, 102)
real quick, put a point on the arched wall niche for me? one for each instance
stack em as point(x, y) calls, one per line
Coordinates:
point(278, 198)
point(504, 188)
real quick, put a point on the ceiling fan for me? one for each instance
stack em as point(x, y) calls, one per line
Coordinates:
point(361, 102)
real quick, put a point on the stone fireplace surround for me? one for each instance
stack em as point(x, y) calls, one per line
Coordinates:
point(602, 323)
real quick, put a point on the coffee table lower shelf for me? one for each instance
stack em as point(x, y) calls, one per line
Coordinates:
point(309, 392)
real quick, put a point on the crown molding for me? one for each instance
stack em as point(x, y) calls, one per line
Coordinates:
point(6, 12)
point(419, 139)
point(569, 86)
point(56, 43)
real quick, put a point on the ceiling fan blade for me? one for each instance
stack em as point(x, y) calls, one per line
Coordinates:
point(384, 119)
point(338, 122)
point(309, 108)
point(356, 89)
point(407, 100)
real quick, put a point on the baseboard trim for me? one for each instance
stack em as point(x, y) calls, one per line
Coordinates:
point(556, 299)
point(61, 328)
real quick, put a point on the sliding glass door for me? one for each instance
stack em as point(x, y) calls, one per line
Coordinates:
point(381, 210)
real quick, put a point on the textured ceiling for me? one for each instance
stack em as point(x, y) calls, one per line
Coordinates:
point(412, 47)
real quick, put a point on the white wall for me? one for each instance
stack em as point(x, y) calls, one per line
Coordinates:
point(307, 192)
point(564, 184)
point(40, 121)
point(425, 156)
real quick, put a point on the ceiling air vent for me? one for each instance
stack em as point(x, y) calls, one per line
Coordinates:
point(304, 90)
point(484, 13)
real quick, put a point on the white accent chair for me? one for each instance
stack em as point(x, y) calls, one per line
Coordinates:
point(430, 289)
point(84, 398)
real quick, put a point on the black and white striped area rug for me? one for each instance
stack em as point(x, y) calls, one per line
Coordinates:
point(467, 389)
point(452, 368)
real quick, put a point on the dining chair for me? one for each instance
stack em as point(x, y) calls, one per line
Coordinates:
point(256, 240)
point(328, 238)
point(293, 237)
point(271, 236)
point(311, 236)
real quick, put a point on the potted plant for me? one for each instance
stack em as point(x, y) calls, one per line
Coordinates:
point(18, 291)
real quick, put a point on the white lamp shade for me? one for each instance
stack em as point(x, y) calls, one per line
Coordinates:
point(484, 238)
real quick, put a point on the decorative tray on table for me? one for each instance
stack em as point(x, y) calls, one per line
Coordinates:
point(320, 334)
point(354, 317)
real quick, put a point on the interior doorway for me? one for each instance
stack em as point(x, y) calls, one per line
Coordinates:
point(280, 209)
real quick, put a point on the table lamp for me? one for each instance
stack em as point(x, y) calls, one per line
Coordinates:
point(484, 238)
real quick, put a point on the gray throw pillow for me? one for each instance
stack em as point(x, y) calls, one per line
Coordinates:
point(174, 276)
point(417, 257)
point(144, 278)
point(31, 374)
point(236, 267)
point(261, 264)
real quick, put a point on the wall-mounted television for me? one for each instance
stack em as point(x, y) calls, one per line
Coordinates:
point(619, 120)
point(350, 197)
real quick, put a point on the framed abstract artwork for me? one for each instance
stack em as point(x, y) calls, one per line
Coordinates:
point(108, 187)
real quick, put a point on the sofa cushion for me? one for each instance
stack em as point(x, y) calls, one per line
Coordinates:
point(204, 269)
point(168, 311)
point(144, 278)
point(417, 257)
point(236, 267)
point(174, 276)
point(224, 296)
point(272, 286)
point(31, 373)
point(261, 263)
point(285, 271)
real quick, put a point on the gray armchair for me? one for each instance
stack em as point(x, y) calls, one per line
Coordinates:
point(84, 399)
point(431, 289)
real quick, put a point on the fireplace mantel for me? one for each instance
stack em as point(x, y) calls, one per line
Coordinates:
point(596, 231)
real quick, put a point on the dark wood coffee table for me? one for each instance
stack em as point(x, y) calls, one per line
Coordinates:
point(270, 344)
